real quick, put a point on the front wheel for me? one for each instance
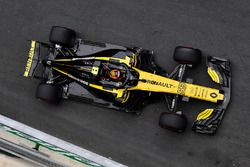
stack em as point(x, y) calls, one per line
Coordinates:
point(187, 55)
point(173, 121)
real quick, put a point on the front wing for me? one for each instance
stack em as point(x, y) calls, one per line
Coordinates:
point(209, 120)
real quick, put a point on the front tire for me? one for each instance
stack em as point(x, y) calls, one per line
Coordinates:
point(173, 121)
point(49, 93)
point(187, 55)
point(62, 36)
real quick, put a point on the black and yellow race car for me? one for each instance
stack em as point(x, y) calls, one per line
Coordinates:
point(125, 78)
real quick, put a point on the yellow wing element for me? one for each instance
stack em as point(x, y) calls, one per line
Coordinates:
point(212, 73)
point(30, 58)
point(204, 114)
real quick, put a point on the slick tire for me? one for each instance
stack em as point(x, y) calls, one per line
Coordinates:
point(187, 55)
point(173, 121)
point(62, 36)
point(49, 93)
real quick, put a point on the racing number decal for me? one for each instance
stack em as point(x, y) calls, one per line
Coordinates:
point(182, 88)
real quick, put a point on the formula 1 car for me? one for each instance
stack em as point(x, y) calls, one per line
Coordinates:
point(125, 78)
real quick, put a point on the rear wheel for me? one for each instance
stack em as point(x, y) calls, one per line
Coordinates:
point(62, 36)
point(49, 93)
point(173, 121)
point(187, 55)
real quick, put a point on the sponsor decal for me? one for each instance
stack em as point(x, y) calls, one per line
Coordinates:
point(30, 58)
point(213, 95)
point(163, 84)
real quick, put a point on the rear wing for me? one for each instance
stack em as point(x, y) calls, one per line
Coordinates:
point(33, 59)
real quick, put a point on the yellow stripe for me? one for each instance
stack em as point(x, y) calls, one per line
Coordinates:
point(213, 75)
point(30, 58)
point(60, 71)
point(202, 114)
point(135, 60)
point(126, 98)
point(205, 114)
point(208, 113)
point(100, 88)
point(217, 79)
point(125, 61)
point(62, 60)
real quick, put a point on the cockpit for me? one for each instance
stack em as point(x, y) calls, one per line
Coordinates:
point(118, 76)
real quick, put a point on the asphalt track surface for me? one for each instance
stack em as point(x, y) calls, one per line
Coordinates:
point(219, 28)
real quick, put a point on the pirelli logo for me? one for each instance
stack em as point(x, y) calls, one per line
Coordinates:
point(30, 58)
point(163, 84)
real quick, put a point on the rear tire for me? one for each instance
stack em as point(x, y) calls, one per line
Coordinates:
point(173, 121)
point(49, 93)
point(187, 55)
point(62, 36)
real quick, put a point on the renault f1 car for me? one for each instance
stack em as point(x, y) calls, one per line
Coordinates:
point(125, 78)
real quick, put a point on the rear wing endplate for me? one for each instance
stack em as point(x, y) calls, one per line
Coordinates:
point(33, 59)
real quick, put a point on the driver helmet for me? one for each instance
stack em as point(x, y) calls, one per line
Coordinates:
point(115, 74)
